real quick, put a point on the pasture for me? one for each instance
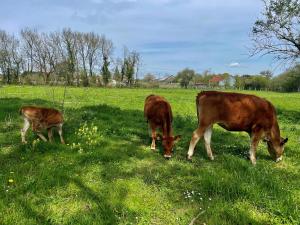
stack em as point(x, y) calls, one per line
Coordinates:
point(107, 174)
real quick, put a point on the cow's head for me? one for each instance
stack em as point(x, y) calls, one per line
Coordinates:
point(168, 144)
point(276, 149)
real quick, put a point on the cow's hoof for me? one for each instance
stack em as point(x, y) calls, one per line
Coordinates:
point(278, 159)
point(189, 158)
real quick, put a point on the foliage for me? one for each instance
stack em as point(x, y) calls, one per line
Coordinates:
point(289, 81)
point(77, 56)
point(277, 33)
point(105, 71)
point(149, 77)
point(185, 76)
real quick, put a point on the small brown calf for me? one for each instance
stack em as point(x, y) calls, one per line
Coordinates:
point(159, 115)
point(41, 118)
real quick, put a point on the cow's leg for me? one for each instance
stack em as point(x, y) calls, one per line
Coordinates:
point(197, 135)
point(207, 138)
point(60, 133)
point(153, 129)
point(41, 136)
point(24, 130)
point(255, 138)
point(50, 134)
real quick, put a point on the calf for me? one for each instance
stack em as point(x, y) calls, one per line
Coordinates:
point(41, 118)
point(237, 112)
point(158, 113)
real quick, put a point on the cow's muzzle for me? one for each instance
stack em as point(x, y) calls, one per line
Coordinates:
point(279, 159)
point(167, 156)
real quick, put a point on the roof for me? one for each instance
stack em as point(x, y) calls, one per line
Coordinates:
point(167, 78)
point(216, 79)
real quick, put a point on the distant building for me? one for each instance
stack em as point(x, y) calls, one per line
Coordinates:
point(217, 81)
point(221, 81)
point(167, 80)
point(200, 85)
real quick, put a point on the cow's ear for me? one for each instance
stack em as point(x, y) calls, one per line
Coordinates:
point(284, 141)
point(177, 138)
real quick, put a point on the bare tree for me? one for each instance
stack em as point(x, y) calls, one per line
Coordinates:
point(69, 41)
point(277, 33)
point(16, 57)
point(93, 45)
point(29, 37)
point(83, 48)
point(10, 58)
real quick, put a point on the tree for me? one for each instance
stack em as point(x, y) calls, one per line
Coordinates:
point(288, 81)
point(185, 76)
point(93, 44)
point(29, 38)
point(149, 77)
point(130, 66)
point(105, 71)
point(277, 33)
point(117, 74)
point(10, 58)
point(266, 73)
point(70, 48)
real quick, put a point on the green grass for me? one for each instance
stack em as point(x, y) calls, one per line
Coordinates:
point(114, 177)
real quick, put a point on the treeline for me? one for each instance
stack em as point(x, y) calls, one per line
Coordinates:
point(64, 57)
point(288, 81)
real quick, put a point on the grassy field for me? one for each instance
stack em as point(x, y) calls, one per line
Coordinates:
point(107, 174)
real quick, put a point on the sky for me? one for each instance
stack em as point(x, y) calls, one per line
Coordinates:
point(170, 35)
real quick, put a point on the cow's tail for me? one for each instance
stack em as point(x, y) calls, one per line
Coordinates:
point(198, 108)
point(21, 112)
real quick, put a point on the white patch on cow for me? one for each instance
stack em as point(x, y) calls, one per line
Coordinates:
point(252, 153)
point(60, 133)
point(207, 139)
point(279, 159)
point(195, 136)
point(24, 129)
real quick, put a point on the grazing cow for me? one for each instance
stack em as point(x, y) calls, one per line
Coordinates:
point(41, 118)
point(158, 113)
point(237, 112)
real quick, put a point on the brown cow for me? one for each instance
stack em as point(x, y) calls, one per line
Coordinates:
point(237, 112)
point(41, 118)
point(158, 112)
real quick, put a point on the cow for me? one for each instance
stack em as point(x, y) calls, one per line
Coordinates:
point(158, 113)
point(41, 118)
point(237, 112)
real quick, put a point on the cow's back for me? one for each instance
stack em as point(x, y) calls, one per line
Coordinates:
point(235, 111)
point(47, 116)
point(157, 109)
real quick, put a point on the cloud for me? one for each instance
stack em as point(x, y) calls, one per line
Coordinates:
point(234, 64)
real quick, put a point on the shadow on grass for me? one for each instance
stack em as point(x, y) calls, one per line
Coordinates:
point(124, 153)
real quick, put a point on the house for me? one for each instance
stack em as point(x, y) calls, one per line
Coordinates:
point(223, 82)
point(217, 81)
point(168, 82)
point(167, 79)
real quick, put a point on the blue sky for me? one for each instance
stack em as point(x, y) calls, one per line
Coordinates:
point(169, 34)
